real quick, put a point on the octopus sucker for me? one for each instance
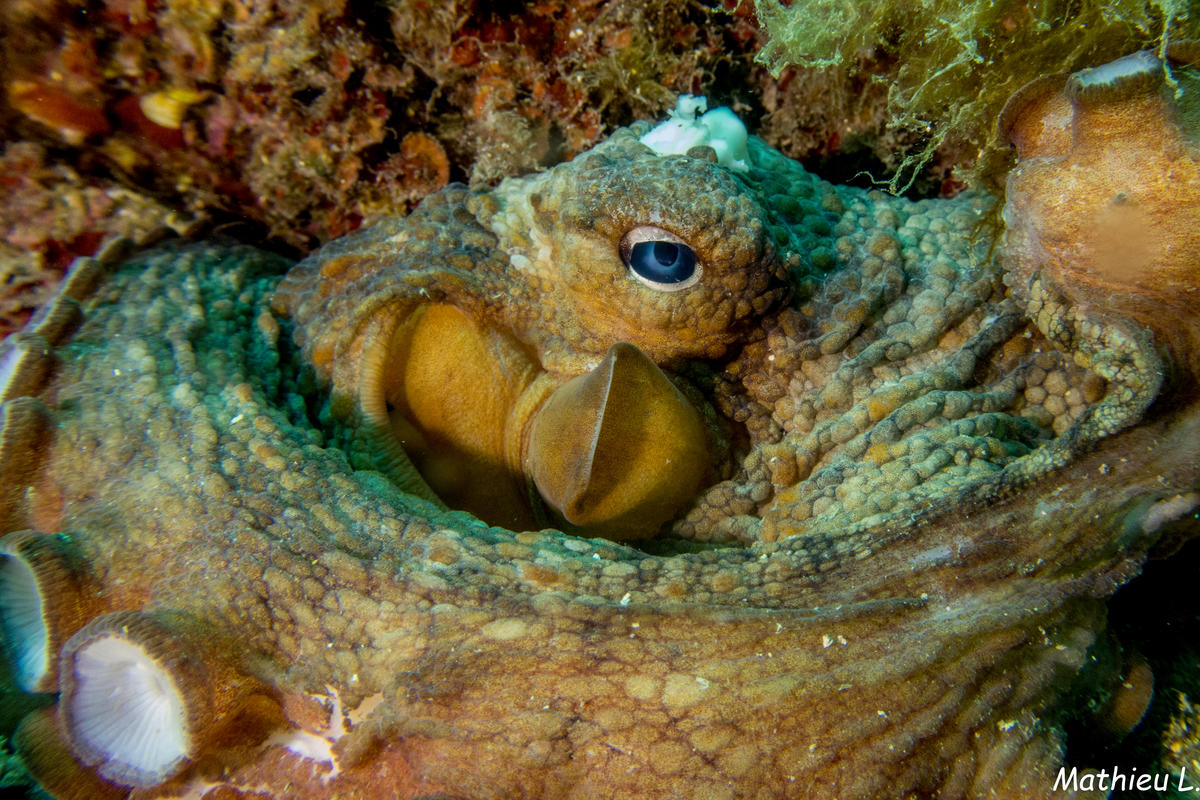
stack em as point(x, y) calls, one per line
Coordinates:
point(922, 471)
point(25, 431)
point(142, 693)
point(45, 597)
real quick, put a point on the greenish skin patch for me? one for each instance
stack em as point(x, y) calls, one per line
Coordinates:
point(859, 647)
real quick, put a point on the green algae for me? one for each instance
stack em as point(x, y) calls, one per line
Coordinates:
point(952, 65)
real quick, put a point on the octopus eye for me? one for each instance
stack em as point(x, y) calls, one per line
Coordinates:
point(659, 259)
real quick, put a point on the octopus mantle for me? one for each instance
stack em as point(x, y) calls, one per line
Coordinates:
point(851, 629)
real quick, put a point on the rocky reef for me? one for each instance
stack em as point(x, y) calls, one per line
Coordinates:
point(298, 121)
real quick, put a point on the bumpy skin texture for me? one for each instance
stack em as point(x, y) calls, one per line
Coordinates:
point(539, 256)
point(912, 558)
point(536, 265)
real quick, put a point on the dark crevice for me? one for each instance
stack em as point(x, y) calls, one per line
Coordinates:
point(1157, 617)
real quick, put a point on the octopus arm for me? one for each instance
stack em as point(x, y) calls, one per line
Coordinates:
point(349, 302)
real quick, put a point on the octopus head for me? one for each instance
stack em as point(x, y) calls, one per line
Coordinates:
point(673, 254)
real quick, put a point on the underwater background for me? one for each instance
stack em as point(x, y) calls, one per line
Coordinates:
point(286, 124)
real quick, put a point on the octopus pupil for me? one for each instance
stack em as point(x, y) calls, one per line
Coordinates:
point(662, 262)
point(666, 253)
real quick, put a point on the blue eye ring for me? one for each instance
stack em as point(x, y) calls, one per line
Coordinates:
point(659, 259)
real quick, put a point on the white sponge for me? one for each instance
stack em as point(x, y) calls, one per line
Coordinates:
point(719, 129)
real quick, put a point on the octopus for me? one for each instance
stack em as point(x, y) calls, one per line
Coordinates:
point(671, 471)
point(560, 295)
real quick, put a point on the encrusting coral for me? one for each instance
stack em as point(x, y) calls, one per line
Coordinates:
point(304, 119)
point(298, 114)
point(933, 485)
